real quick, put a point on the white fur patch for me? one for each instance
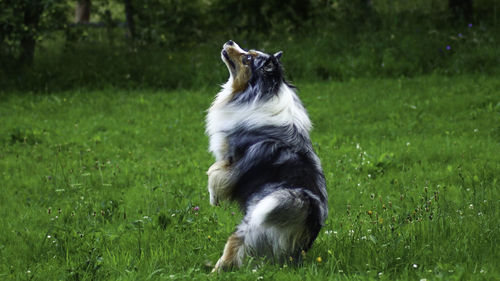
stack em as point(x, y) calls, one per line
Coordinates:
point(260, 211)
point(281, 240)
point(282, 110)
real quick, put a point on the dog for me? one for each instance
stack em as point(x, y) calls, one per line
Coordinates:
point(259, 136)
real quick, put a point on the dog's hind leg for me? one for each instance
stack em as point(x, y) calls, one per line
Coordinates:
point(277, 227)
point(233, 255)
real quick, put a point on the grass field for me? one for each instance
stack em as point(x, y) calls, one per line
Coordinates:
point(111, 185)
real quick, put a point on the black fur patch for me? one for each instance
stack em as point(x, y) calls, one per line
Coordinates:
point(271, 158)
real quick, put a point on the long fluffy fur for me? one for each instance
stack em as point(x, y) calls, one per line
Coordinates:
point(259, 135)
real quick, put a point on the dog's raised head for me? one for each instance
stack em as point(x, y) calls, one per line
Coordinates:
point(252, 71)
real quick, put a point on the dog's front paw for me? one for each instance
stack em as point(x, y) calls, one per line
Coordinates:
point(217, 167)
point(218, 182)
point(212, 189)
point(214, 200)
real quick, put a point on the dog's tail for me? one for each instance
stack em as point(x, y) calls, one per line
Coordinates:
point(283, 223)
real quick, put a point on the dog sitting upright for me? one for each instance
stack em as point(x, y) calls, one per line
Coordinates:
point(259, 135)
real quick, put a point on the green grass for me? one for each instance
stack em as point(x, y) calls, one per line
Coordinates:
point(102, 185)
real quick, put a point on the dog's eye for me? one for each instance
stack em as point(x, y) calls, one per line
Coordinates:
point(268, 67)
point(247, 59)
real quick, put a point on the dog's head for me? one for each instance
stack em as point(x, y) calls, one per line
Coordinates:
point(252, 69)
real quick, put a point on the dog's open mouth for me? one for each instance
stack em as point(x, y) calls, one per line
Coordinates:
point(226, 56)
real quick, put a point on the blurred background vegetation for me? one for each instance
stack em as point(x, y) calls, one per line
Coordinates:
point(52, 45)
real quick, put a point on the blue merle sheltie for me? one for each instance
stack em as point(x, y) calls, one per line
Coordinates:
point(259, 135)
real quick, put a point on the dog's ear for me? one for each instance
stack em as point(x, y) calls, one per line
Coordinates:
point(278, 55)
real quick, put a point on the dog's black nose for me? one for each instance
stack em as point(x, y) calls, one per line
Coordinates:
point(230, 42)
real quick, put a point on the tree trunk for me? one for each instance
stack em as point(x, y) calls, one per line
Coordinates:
point(129, 14)
point(32, 12)
point(82, 11)
point(461, 9)
point(27, 50)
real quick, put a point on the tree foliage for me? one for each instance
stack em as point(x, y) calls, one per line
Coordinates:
point(161, 21)
point(177, 23)
point(24, 22)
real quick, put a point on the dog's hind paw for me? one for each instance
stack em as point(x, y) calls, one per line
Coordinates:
point(221, 266)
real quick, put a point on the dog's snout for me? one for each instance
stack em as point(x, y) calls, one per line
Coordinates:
point(230, 43)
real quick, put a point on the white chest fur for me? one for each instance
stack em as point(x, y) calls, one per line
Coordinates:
point(284, 109)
